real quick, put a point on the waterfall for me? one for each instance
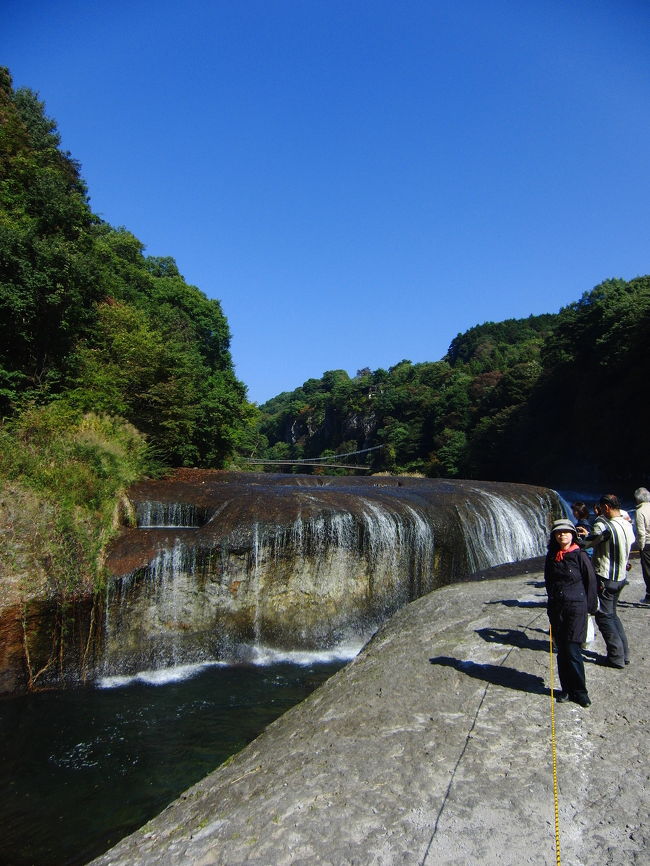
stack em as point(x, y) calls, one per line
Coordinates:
point(153, 604)
point(497, 530)
point(306, 563)
point(161, 515)
point(240, 566)
point(257, 589)
point(225, 566)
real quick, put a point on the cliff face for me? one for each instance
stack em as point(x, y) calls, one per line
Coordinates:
point(49, 642)
point(224, 562)
point(40, 632)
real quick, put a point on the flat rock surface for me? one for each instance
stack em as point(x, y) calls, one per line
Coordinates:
point(434, 746)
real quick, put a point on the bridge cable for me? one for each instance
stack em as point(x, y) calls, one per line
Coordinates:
point(308, 461)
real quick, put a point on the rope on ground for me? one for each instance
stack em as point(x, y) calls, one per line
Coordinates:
point(464, 749)
point(554, 755)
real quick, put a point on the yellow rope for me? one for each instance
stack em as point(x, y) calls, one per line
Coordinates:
point(554, 754)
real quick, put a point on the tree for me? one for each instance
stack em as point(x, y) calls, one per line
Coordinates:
point(48, 283)
point(88, 320)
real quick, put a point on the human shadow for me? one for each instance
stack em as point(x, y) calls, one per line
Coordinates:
point(633, 604)
point(498, 675)
point(543, 631)
point(592, 657)
point(515, 602)
point(512, 637)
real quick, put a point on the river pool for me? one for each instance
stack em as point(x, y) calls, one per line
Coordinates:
point(82, 768)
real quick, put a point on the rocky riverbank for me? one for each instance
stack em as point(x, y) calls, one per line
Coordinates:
point(434, 747)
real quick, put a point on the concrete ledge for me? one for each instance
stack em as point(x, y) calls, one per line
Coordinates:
point(433, 747)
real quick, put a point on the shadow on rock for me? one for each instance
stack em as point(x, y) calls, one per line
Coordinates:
point(498, 675)
point(592, 656)
point(515, 602)
point(512, 637)
point(543, 631)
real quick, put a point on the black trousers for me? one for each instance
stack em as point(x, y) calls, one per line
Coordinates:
point(567, 624)
point(571, 668)
point(611, 627)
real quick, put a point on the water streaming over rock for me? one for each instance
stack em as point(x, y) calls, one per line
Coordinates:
point(512, 528)
point(160, 515)
point(225, 565)
point(298, 562)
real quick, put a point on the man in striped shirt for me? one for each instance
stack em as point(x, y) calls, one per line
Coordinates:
point(611, 538)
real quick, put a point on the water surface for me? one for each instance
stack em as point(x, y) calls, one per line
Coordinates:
point(80, 769)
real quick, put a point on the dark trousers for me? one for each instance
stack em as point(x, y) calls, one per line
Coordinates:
point(571, 668)
point(645, 566)
point(611, 627)
point(569, 624)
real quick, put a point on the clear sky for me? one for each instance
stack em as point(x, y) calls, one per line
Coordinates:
point(357, 181)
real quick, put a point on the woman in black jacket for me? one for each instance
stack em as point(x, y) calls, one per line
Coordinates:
point(571, 587)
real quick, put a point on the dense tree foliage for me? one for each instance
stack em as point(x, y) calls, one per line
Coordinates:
point(89, 322)
point(423, 415)
point(88, 319)
point(545, 399)
point(598, 355)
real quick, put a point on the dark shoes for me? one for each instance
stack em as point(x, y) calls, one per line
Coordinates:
point(563, 697)
point(645, 600)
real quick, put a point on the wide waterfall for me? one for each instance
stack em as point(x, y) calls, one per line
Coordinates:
point(224, 562)
point(224, 565)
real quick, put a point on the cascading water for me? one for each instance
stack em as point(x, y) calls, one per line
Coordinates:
point(151, 514)
point(225, 564)
point(496, 530)
point(257, 590)
point(300, 563)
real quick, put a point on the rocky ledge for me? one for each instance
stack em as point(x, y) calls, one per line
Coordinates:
point(434, 747)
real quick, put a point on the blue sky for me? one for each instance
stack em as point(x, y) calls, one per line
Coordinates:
point(357, 181)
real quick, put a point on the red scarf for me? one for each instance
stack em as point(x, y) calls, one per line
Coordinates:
point(559, 556)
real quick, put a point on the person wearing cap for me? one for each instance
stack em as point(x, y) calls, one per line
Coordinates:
point(571, 588)
point(611, 538)
point(642, 519)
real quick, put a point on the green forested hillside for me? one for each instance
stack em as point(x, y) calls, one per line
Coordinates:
point(598, 356)
point(548, 399)
point(423, 415)
point(111, 365)
point(87, 318)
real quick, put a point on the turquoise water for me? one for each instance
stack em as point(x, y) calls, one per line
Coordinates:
point(80, 769)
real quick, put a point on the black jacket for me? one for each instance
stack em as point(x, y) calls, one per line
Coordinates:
point(572, 580)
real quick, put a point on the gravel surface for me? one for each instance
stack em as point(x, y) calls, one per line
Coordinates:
point(434, 747)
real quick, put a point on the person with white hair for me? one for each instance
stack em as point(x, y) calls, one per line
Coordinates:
point(642, 497)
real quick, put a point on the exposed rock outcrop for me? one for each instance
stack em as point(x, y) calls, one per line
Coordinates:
point(433, 747)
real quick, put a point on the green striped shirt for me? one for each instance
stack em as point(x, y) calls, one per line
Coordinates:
point(612, 553)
